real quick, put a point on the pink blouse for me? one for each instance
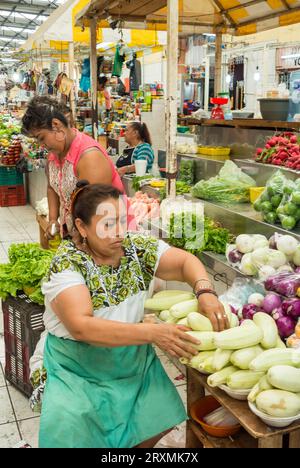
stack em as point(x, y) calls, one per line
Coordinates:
point(63, 177)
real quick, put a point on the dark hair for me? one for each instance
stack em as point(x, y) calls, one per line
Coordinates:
point(142, 130)
point(87, 197)
point(102, 80)
point(40, 112)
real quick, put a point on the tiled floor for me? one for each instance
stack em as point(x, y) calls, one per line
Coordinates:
point(17, 421)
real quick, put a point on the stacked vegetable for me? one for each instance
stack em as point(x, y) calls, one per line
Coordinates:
point(280, 201)
point(255, 255)
point(28, 264)
point(196, 235)
point(281, 150)
point(249, 360)
point(231, 185)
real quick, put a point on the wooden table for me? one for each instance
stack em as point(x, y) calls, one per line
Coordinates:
point(255, 434)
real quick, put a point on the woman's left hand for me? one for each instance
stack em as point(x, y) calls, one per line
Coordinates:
point(211, 307)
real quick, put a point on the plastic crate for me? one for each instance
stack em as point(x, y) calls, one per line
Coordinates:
point(12, 195)
point(23, 325)
point(10, 176)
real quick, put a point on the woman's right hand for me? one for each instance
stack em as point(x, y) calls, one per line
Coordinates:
point(174, 339)
point(48, 234)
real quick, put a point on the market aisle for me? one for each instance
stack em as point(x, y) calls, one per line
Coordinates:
point(17, 421)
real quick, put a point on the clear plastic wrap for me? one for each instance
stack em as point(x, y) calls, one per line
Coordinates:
point(242, 288)
point(231, 185)
point(285, 283)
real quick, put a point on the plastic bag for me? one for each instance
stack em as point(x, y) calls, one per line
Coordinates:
point(252, 255)
point(288, 211)
point(269, 201)
point(285, 283)
point(231, 185)
point(183, 223)
point(240, 291)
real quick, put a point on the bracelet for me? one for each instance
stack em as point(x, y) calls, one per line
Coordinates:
point(205, 280)
point(205, 291)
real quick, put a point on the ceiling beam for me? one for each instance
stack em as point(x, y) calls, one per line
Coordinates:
point(225, 13)
point(17, 24)
point(268, 17)
point(23, 8)
point(245, 5)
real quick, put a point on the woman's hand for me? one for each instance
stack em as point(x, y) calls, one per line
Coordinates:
point(174, 340)
point(211, 307)
point(48, 234)
point(122, 171)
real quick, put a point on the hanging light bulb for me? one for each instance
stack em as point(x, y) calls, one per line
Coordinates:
point(228, 78)
point(256, 75)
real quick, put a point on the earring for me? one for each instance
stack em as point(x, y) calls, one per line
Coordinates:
point(84, 242)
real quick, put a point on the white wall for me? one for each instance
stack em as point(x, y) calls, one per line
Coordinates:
point(262, 56)
point(154, 68)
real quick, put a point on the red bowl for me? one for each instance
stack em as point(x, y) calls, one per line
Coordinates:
point(204, 406)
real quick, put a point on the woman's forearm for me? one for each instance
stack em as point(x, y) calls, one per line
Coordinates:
point(53, 203)
point(193, 270)
point(108, 333)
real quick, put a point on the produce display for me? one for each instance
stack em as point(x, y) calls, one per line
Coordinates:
point(144, 207)
point(212, 237)
point(231, 185)
point(246, 361)
point(28, 264)
point(280, 201)
point(255, 255)
point(281, 150)
point(11, 154)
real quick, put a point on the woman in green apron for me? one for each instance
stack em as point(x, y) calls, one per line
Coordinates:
point(105, 385)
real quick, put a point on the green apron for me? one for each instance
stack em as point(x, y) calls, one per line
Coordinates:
point(105, 397)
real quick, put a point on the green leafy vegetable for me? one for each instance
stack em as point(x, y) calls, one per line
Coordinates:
point(195, 235)
point(28, 264)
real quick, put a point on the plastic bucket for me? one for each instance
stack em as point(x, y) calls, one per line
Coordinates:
point(140, 167)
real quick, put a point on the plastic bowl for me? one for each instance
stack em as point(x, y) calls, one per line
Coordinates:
point(271, 420)
point(183, 129)
point(204, 406)
point(255, 192)
point(236, 394)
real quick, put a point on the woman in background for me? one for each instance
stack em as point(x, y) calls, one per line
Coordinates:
point(137, 135)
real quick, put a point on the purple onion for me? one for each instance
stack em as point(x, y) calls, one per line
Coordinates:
point(288, 287)
point(277, 313)
point(272, 242)
point(249, 310)
point(297, 270)
point(271, 302)
point(235, 256)
point(272, 282)
point(286, 326)
point(234, 310)
point(291, 307)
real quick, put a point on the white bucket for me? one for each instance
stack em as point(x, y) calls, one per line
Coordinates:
point(140, 167)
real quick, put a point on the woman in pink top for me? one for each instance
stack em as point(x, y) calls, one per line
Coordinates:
point(73, 156)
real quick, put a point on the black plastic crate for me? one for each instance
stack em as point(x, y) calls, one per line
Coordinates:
point(23, 325)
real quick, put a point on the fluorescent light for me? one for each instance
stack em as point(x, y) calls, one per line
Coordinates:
point(10, 39)
point(228, 79)
point(208, 34)
point(290, 56)
point(3, 59)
